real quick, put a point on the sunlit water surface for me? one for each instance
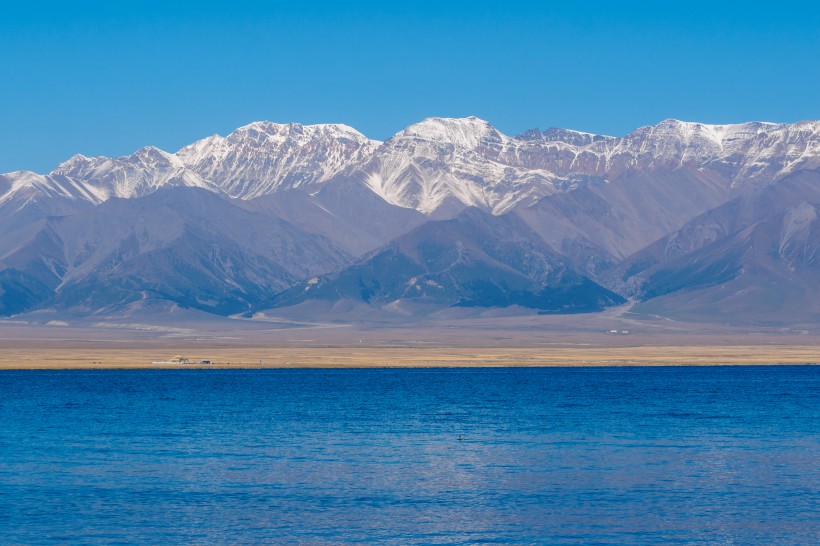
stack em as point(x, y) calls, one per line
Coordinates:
point(721, 455)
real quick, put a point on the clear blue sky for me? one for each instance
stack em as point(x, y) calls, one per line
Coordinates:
point(104, 78)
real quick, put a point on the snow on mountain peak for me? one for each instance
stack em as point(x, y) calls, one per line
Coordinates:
point(566, 136)
point(75, 162)
point(746, 153)
point(439, 161)
point(300, 133)
point(470, 132)
point(440, 164)
point(263, 157)
point(153, 157)
point(30, 186)
point(132, 175)
point(690, 132)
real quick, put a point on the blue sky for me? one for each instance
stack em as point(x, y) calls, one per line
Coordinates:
point(104, 78)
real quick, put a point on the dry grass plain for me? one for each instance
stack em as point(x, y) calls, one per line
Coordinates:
point(262, 357)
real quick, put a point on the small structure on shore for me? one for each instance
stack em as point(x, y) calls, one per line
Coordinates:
point(178, 359)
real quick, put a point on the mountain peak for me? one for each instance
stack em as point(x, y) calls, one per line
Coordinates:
point(566, 136)
point(690, 130)
point(151, 153)
point(298, 131)
point(75, 161)
point(467, 132)
point(263, 157)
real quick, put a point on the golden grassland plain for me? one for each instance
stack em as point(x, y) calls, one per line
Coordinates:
point(340, 357)
point(483, 342)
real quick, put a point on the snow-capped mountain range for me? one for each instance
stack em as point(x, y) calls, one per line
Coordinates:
point(447, 212)
point(434, 164)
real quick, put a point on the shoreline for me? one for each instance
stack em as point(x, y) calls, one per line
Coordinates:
point(33, 358)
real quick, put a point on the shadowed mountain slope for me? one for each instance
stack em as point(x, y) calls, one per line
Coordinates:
point(756, 258)
point(599, 224)
point(184, 245)
point(473, 260)
point(347, 213)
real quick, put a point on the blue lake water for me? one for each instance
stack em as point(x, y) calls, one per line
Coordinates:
point(719, 455)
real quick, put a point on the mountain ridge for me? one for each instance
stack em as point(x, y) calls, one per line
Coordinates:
point(441, 159)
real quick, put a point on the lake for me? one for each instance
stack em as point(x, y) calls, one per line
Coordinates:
point(719, 455)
